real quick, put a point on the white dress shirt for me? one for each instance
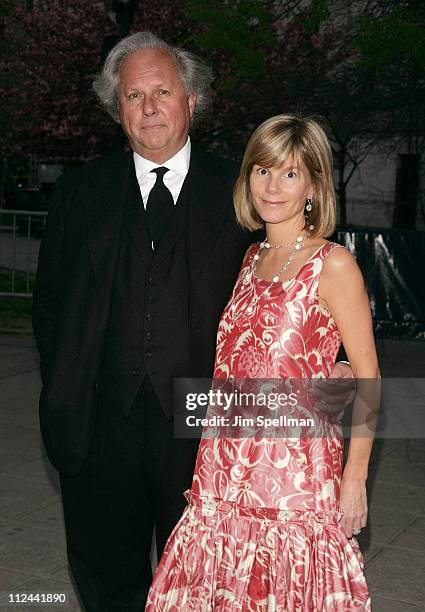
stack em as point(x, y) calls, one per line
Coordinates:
point(178, 167)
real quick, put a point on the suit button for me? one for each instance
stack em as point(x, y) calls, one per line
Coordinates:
point(148, 355)
point(149, 299)
point(149, 317)
point(148, 335)
point(151, 280)
point(135, 372)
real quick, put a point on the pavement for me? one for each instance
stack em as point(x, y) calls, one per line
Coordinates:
point(32, 542)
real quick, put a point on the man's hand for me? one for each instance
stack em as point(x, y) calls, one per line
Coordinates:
point(341, 369)
point(336, 392)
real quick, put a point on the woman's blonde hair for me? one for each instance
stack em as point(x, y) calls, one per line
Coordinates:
point(282, 138)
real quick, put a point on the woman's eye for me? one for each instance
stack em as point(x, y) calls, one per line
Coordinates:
point(262, 171)
point(290, 174)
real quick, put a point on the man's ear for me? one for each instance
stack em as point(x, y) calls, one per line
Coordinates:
point(191, 100)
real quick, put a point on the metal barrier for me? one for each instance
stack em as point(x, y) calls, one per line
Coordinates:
point(20, 233)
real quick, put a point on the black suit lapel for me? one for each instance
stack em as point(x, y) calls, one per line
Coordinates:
point(207, 212)
point(105, 206)
point(115, 199)
point(135, 218)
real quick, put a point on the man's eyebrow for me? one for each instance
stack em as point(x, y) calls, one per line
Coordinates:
point(160, 85)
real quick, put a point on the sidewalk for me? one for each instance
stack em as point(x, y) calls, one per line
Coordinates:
point(32, 543)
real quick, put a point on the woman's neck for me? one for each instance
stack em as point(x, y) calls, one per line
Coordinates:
point(283, 233)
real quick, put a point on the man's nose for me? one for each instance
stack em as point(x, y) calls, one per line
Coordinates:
point(149, 106)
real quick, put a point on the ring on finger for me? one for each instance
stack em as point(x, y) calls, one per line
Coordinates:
point(356, 531)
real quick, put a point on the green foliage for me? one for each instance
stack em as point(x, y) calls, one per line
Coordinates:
point(399, 36)
point(243, 30)
point(319, 13)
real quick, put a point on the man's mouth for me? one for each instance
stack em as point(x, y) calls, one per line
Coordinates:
point(152, 127)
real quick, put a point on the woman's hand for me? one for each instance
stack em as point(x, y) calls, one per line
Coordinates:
point(353, 503)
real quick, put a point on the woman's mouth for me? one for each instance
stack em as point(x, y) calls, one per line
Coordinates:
point(272, 203)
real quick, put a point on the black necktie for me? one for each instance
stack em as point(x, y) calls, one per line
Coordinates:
point(159, 207)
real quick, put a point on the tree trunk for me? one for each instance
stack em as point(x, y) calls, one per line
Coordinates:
point(124, 12)
point(342, 205)
point(406, 191)
point(342, 191)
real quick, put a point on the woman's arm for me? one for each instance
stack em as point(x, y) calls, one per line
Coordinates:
point(342, 287)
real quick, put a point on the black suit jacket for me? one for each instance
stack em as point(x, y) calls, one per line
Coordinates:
point(77, 261)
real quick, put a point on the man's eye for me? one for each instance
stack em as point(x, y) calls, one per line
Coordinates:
point(134, 94)
point(163, 92)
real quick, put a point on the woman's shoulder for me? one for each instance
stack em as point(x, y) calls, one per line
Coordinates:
point(339, 265)
point(337, 255)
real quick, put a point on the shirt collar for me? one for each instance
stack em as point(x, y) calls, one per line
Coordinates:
point(179, 163)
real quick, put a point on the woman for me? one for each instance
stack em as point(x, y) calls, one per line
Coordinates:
point(270, 521)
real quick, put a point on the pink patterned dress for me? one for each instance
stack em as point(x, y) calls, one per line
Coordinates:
point(261, 530)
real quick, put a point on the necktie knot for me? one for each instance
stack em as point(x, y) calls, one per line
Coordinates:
point(160, 171)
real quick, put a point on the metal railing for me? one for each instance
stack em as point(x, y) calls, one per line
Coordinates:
point(20, 233)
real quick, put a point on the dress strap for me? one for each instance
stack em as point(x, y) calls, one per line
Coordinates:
point(310, 272)
point(328, 247)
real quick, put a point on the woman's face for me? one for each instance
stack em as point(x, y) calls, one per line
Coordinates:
point(279, 193)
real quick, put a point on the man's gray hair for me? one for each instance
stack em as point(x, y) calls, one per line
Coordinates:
point(196, 76)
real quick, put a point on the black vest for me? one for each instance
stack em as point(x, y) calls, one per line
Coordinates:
point(148, 329)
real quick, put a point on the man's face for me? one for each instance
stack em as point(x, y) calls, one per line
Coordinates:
point(154, 108)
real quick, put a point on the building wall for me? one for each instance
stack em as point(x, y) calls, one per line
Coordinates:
point(371, 191)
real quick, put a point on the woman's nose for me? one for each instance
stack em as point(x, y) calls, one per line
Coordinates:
point(273, 185)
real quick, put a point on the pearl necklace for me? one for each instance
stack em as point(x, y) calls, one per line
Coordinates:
point(267, 244)
point(248, 310)
point(299, 243)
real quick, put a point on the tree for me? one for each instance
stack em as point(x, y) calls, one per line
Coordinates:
point(237, 38)
point(361, 72)
point(49, 57)
point(50, 52)
point(327, 79)
point(298, 57)
point(392, 41)
point(294, 58)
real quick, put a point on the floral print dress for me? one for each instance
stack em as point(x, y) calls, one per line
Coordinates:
point(262, 527)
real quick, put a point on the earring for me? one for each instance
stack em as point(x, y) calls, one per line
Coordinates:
point(309, 206)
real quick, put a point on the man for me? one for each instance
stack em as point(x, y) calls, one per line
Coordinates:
point(125, 301)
